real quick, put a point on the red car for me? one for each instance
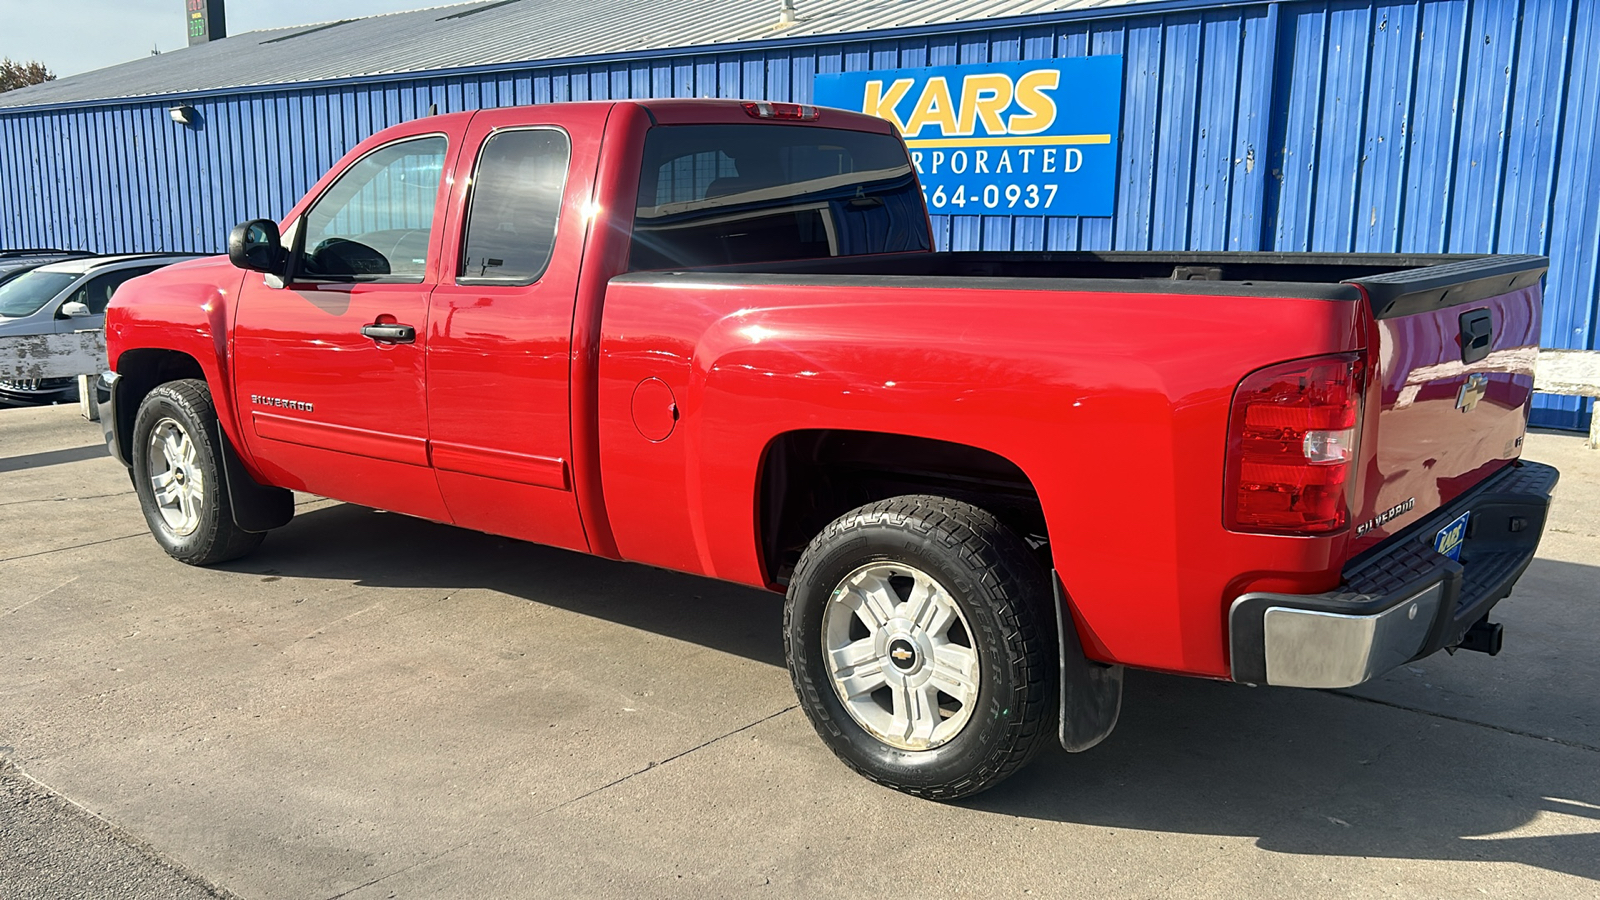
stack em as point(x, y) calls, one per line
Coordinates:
point(712, 336)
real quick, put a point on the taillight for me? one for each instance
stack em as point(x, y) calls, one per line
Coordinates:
point(762, 109)
point(1292, 446)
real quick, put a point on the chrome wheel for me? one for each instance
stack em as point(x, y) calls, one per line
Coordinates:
point(176, 478)
point(900, 656)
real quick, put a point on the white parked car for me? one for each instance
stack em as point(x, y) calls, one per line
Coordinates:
point(65, 296)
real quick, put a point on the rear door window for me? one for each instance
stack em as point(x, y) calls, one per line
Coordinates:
point(97, 292)
point(516, 197)
point(722, 194)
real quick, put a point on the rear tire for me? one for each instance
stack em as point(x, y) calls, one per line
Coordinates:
point(177, 473)
point(916, 636)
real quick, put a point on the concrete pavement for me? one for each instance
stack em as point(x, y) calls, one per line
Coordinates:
point(50, 848)
point(373, 706)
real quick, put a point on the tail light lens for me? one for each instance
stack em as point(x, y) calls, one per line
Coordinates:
point(1292, 446)
point(762, 109)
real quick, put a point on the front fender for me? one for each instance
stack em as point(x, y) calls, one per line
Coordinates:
point(185, 309)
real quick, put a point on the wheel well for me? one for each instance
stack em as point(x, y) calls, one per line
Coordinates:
point(809, 478)
point(141, 372)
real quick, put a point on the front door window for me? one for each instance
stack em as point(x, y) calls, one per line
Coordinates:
point(374, 223)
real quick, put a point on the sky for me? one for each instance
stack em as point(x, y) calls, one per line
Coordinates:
point(73, 36)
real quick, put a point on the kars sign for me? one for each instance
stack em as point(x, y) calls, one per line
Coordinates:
point(1035, 137)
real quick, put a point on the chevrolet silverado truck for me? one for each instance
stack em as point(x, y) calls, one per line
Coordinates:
point(713, 336)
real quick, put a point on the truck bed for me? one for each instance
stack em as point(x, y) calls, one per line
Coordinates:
point(1438, 419)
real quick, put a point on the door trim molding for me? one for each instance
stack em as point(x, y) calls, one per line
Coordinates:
point(341, 438)
point(523, 468)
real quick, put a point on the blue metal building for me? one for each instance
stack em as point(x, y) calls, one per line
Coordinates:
point(1422, 126)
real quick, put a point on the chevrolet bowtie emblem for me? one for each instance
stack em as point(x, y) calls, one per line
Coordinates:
point(900, 653)
point(1472, 391)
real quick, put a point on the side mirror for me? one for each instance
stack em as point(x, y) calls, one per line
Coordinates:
point(256, 245)
point(73, 309)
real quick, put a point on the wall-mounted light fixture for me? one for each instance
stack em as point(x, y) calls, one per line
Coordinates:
point(183, 115)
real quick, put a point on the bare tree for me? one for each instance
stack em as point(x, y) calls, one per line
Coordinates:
point(14, 74)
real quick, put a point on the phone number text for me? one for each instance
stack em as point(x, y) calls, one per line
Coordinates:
point(991, 196)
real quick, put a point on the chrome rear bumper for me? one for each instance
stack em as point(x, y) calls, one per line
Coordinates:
point(1401, 600)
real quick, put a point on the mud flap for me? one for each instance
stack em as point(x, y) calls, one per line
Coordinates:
point(256, 507)
point(1091, 692)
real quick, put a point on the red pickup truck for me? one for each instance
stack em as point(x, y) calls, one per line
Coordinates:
point(713, 336)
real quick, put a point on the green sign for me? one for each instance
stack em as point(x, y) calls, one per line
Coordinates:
point(206, 21)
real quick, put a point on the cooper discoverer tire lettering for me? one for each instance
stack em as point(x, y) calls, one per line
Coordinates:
point(915, 632)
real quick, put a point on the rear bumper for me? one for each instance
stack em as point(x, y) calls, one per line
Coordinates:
point(1400, 600)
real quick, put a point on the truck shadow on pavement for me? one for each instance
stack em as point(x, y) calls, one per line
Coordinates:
point(367, 547)
point(1317, 773)
point(1299, 772)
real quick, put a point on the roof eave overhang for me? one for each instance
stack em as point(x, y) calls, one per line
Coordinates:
point(1155, 7)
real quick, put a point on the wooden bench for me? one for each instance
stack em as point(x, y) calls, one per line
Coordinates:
point(1573, 373)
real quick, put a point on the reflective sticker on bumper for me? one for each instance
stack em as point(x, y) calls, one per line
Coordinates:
point(1452, 537)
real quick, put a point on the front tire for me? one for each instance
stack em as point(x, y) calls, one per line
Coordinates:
point(177, 473)
point(916, 638)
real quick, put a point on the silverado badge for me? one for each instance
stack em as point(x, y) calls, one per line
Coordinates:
point(1388, 515)
point(262, 400)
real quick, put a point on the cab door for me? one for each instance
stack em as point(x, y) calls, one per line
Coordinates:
point(330, 369)
point(500, 338)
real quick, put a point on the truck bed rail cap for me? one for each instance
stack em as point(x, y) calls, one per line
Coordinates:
point(1413, 291)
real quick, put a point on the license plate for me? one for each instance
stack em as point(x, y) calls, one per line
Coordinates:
point(1450, 538)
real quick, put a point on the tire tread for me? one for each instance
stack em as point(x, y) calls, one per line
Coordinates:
point(221, 539)
point(1011, 585)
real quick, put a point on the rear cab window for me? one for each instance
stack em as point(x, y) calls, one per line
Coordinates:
point(724, 194)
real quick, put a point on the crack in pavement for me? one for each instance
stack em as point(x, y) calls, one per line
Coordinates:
point(441, 854)
point(73, 547)
point(1578, 745)
point(566, 803)
point(40, 597)
point(656, 765)
point(64, 499)
point(320, 629)
point(108, 540)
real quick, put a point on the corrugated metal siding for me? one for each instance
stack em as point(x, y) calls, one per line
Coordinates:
point(1447, 125)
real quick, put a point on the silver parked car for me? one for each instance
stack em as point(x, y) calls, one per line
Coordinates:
point(70, 295)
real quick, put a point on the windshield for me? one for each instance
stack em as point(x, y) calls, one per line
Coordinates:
point(719, 194)
point(25, 294)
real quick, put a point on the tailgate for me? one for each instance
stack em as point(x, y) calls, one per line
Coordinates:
point(1456, 348)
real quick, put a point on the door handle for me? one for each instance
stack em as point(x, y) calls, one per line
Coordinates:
point(391, 334)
